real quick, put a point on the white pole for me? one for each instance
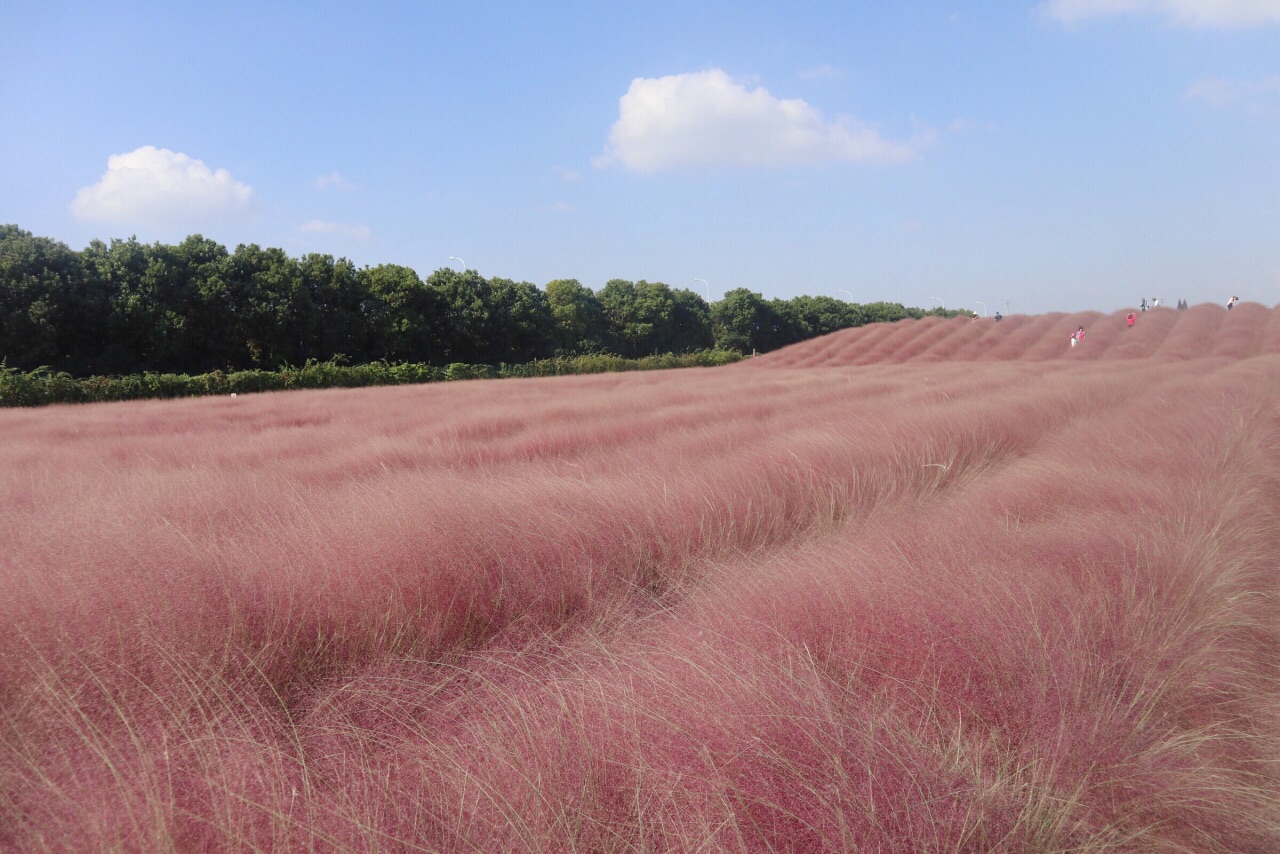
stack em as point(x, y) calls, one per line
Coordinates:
point(459, 260)
point(843, 291)
point(708, 287)
point(984, 306)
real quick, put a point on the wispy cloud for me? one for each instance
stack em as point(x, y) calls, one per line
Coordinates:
point(963, 125)
point(1186, 13)
point(707, 119)
point(320, 226)
point(820, 72)
point(336, 181)
point(156, 186)
point(567, 174)
point(1220, 93)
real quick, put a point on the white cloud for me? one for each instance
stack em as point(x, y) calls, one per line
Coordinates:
point(157, 186)
point(320, 226)
point(706, 118)
point(337, 181)
point(567, 174)
point(1220, 93)
point(1187, 13)
point(1214, 91)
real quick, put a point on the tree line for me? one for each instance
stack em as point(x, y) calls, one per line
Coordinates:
point(128, 308)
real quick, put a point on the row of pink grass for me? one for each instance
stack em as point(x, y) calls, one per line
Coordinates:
point(1201, 331)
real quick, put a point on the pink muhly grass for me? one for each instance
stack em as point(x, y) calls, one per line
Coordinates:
point(1242, 332)
point(1017, 334)
point(903, 340)
point(960, 335)
point(941, 604)
point(1271, 334)
point(1191, 333)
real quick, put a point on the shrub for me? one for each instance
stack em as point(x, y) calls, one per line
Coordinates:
point(42, 386)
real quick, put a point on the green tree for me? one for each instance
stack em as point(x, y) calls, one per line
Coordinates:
point(49, 314)
point(887, 312)
point(640, 314)
point(117, 271)
point(193, 296)
point(175, 303)
point(822, 315)
point(466, 303)
point(521, 325)
point(128, 307)
point(690, 326)
point(743, 321)
point(406, 318)
point(784, 326)
point(271, 308)
point(580, 323)
point(340, 326)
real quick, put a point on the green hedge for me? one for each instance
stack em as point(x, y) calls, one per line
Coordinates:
point(44, 386)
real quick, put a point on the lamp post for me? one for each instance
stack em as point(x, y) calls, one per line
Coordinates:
point(984, 306)
point(708, 287)
point(1006, 307)
point(459, 260)
point(942, 305)
point(843, 291)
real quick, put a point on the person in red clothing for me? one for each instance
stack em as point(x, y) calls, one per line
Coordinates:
point(1131, 317)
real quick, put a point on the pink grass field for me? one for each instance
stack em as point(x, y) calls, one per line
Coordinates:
point(946, 585)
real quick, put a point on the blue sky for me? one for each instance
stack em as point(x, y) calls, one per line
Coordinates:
point(1064, 155)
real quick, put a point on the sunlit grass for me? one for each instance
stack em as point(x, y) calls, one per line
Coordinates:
point(935, 601)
